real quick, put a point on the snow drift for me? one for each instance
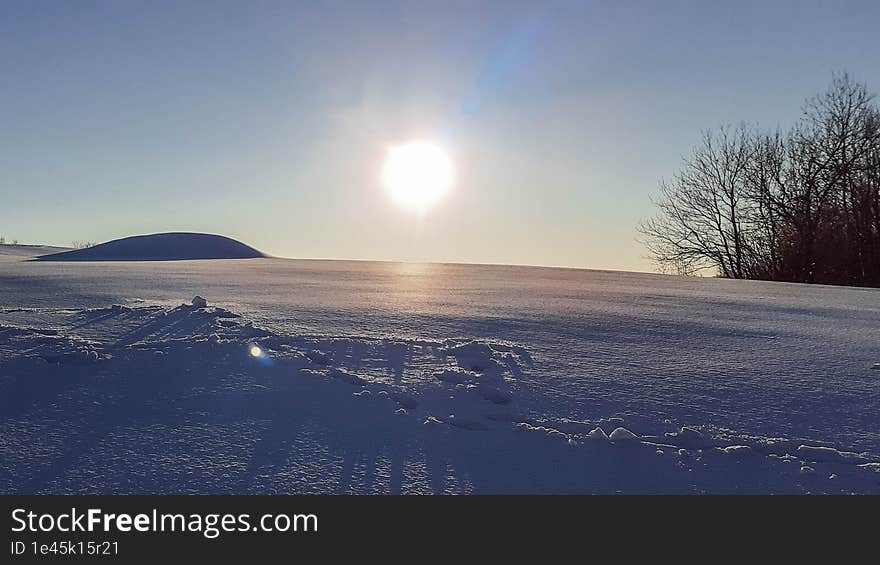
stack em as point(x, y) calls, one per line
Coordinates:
point(161, 247)
point(295, 376)
point(196, 398)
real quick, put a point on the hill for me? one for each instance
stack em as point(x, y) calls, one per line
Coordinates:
point(160, 247)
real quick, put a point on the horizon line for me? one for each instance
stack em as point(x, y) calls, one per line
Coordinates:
point(406, 261)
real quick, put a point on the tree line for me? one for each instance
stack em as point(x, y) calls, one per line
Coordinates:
point(76, 244)
point(801, 205)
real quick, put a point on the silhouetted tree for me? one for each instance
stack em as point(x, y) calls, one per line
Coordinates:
point(802, 206)
point(704, 218)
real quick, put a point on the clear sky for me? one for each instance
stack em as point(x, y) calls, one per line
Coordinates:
point(269, 121)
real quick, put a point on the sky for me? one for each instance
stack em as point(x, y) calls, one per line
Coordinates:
point(269, 121)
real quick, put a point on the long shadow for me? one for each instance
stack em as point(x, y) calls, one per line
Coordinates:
point(179, 321)
point(275, 443)
point(398, 356)
point(126, 398)
point(363, 431)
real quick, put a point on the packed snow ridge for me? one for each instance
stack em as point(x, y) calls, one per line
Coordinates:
point(161, 247)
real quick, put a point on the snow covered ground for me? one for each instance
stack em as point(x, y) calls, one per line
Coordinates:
point(340, 377)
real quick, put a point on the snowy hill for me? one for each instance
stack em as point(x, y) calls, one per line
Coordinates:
point(357, 377)
point(160, 247)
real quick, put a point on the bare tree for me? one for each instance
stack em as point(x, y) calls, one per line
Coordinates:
point(802, 206)
point(766, 188)
point(842, 131)
point(704, 216)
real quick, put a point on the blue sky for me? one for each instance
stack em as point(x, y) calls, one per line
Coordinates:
point(268, 121)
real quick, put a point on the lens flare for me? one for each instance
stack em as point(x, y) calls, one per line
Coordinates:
point(416, 175)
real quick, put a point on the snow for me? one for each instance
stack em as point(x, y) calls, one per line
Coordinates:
point(474, 356)
point(826, 454)
point(738, 450)
point(622, 435)
point(382, 377)
point(455, 376)
point(347, 377)
point(688, 437)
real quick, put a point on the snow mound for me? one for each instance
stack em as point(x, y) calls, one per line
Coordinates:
point(821, 454)
point(186, 322)
point(688, 437)
point(487, 358)
point(598, 434)
point(738, 451)
point(542, 431)
point(483, 367)
point(622, 435)
point(455, 376)
point(875, 467)
point(160, 247)
point(347, 377)
point(473, 356)
point(319, 357)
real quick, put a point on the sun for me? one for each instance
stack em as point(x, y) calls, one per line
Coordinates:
point(417, 175)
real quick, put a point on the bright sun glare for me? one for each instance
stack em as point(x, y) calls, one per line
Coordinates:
point(416, 175)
